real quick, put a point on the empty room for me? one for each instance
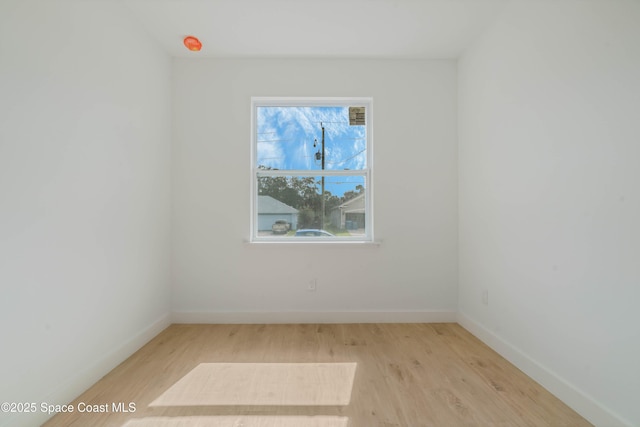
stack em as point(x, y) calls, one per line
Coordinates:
point(279, 213)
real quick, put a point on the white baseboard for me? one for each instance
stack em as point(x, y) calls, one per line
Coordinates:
point(580, 402)
point(245, 317)
point(85, 378)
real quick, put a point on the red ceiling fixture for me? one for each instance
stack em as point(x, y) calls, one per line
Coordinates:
point(192, 43)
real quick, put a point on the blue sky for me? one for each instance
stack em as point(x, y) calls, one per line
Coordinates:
point(286, 135)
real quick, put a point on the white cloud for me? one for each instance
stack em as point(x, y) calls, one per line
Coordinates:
point(289, 134)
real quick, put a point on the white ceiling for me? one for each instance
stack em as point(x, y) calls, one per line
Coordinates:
point(317, 28)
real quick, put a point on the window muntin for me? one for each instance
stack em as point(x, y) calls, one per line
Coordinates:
point(291, 166)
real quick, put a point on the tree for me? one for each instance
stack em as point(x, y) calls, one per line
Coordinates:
point(297, 192)
point(348, 195)
point(303, 194)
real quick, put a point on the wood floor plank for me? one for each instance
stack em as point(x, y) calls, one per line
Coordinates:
point(408, 375)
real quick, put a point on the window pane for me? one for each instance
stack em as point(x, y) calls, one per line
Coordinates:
point(289, 204)
point(290, 138)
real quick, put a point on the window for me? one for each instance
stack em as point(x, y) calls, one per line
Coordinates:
point(311, 167)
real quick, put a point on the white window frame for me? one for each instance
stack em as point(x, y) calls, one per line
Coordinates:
point(366, 102)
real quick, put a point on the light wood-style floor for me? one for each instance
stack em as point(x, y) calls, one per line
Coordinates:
point(408, 375)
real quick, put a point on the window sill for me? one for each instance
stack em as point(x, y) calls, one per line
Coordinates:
point(312, 242)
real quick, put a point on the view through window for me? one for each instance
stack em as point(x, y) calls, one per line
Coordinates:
point(311, 166)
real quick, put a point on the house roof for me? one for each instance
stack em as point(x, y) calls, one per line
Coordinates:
point(269, 205)
point(352, 205)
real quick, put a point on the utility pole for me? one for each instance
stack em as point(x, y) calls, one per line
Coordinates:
point(320, 156)
point(322, 199)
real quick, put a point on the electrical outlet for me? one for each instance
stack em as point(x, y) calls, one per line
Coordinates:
point(313, 285)
point(485, 297)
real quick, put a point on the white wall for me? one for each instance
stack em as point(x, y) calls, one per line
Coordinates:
point(84, 196)
point(550, 199)
point(413, 271)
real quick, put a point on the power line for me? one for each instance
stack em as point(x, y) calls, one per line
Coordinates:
point(348, 158)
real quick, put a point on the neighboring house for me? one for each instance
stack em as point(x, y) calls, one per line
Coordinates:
point(350, 214)
point(270, 210)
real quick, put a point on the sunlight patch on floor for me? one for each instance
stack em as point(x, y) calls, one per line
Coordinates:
point(284, 384)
